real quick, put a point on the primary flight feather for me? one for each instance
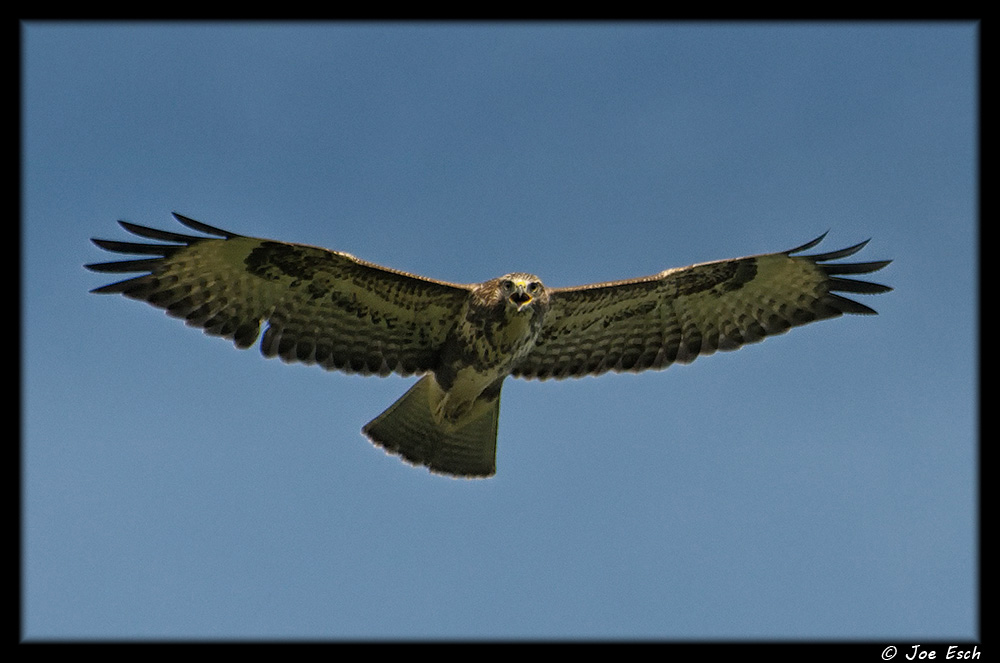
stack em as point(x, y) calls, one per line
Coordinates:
point(332, 309)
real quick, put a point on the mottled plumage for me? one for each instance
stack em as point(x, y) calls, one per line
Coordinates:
point(332, 309)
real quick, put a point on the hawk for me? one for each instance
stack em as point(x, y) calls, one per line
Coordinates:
point(332, 309)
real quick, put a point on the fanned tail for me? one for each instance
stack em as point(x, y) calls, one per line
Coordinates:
point(466, 448)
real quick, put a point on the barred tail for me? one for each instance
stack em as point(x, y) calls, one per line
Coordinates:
point(463, 449)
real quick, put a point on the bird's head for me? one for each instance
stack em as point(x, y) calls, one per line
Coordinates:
point(522, 291)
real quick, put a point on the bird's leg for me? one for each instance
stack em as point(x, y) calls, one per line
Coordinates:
point(450, 410)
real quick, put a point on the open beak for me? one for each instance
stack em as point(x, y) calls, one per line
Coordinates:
point(520, 296)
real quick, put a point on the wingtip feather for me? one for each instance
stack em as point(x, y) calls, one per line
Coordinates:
point(203, 227)
point(808, 245)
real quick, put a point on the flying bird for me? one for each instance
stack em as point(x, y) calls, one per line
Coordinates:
point(329, 308)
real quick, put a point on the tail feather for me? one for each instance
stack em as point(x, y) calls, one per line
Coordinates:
point(408, 427)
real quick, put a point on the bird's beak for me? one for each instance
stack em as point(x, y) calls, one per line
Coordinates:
point(520, 296)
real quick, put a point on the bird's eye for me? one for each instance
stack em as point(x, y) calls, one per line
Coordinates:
point(507, 285)
point(534, 287)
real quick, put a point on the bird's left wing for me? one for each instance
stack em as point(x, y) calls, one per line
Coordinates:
point(323, 307)
point(680, 314)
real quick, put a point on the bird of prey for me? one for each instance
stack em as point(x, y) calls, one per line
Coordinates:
point(332, 309)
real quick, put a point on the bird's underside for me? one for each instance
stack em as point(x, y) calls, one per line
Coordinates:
point(332, 309)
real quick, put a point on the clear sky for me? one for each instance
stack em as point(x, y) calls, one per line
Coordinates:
point(820, 485)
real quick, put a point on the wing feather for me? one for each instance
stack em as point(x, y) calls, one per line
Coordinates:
point(680, 314)
point(323, 307)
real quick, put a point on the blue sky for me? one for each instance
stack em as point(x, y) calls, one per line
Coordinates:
point(820, 485)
